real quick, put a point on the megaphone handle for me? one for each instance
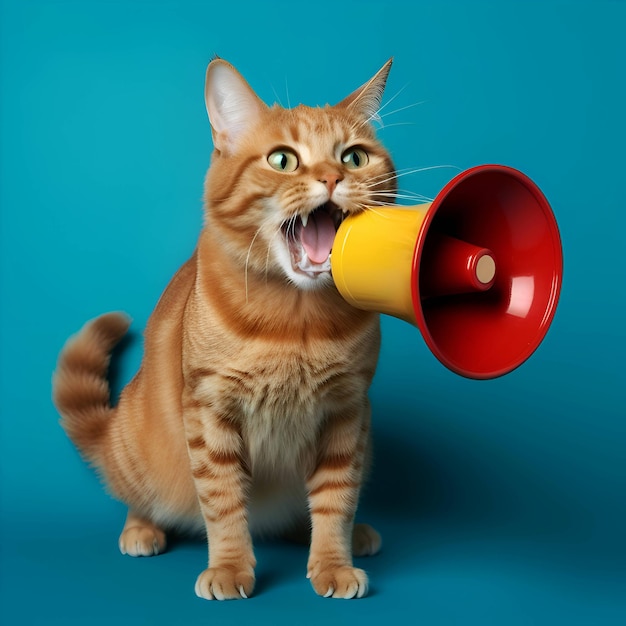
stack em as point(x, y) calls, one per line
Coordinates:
point(451, 266)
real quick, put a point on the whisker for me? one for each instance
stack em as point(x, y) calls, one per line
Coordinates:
point(398, 124)
point(394, 190)
point(417, 197)
point(287, 90)
point(397, 171)
point(392, 98)
point(368, 207)
point(373, 210)
point(248, 260)
point(382, 181)
point(404, 108)
point(395, 204)
point(269, 249)
point(401, 173)
point(376, 115)
point(363, 92)
point(379, 181)
point(404, 192)
point(277, 97)
point(290, 225)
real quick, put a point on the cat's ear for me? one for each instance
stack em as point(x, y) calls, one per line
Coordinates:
point(367, 98)
point(232, 105)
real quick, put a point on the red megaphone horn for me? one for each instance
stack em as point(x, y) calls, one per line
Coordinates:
point(478, 270)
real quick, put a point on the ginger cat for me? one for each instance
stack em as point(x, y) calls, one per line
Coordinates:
point(249, 413)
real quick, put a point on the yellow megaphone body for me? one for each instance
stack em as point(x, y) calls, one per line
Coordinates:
point(478, 270)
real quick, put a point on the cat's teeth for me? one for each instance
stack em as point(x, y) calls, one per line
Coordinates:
point(305, 220)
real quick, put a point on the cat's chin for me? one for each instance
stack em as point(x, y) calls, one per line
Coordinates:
point(308, 275)
point(311, 282)
point(300, 270)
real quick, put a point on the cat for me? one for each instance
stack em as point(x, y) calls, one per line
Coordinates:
point(250, 412)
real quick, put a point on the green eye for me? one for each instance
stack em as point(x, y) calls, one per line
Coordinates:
point(283, 160)
point(354, 158)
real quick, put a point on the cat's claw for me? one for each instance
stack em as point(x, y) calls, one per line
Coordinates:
point(340, 582)
point(142, 541)
point(221, 583)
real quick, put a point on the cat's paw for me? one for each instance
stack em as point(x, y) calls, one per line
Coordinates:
point(141, 540)
point(366, 541)
point(339, 582)
point(223, 583)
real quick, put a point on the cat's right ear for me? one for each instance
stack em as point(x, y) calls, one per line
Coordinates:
point(367, 98)
point(232, 105)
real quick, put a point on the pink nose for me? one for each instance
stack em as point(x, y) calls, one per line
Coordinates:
point(331, 180)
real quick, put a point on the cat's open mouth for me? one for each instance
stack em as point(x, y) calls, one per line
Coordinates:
point(310, 239)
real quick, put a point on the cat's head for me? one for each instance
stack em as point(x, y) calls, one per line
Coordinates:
point(282, 180)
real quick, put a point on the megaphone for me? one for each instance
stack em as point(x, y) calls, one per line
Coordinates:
point(478, 270)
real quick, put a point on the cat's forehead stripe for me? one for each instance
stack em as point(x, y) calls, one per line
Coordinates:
point(295, 132)
point(317, 133)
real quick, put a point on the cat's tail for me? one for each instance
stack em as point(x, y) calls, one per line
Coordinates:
point(80, 389)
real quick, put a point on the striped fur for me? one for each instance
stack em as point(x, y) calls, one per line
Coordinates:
point(249, 412)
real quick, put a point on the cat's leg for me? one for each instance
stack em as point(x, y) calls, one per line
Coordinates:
point(140, 537)
point(333, 495)
point(222, 481)
point(366, 541)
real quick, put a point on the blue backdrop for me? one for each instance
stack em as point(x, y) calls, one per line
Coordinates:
point(500, 502)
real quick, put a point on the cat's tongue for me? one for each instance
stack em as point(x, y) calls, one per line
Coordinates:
point(318, 235)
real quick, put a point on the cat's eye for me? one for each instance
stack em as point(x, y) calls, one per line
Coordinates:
point(354, 158)
point(283, 160)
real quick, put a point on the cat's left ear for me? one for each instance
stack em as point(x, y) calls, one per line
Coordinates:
point(232, 105)
point(367, 98)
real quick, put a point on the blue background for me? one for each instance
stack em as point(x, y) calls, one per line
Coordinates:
point(500, 502)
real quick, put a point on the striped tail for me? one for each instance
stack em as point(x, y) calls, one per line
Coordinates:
point(80, 389)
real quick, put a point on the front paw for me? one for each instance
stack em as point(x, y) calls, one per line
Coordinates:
point(339, 581)
point(225, 583)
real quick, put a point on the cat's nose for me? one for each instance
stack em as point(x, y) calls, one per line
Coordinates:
point(331, 180)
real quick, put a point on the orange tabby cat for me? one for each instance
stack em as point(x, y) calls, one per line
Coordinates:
point(250, 410)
